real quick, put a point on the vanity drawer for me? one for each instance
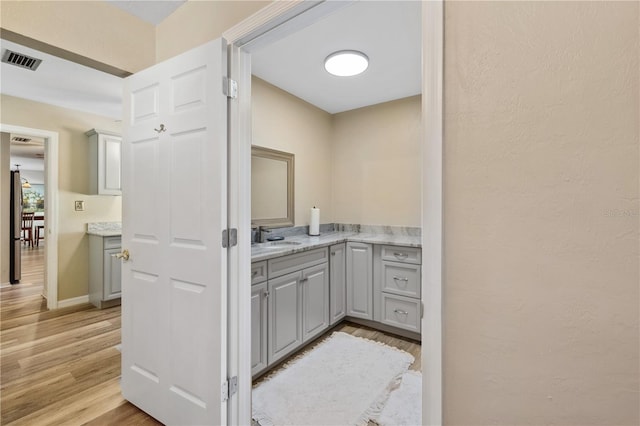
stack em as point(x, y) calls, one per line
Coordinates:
point(402, 254)
point(401, 278)
point(112, 242)
point(402, 312)
point(296, 262)
point(258, 272)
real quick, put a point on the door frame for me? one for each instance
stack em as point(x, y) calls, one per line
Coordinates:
point(51, 206)
point(261, 28)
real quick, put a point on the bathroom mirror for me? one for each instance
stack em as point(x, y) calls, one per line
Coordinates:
point(271, 187)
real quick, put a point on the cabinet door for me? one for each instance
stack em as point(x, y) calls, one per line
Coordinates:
point(315, 297)
point(109, 165)
point(258, 327)
point(285, 315)
point(359, 280)
point(112, 275)
point(337, 283)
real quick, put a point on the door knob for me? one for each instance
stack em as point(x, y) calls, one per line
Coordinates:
point(124, 255)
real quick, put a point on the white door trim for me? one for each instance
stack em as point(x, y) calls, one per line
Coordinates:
point(50, 205)
point(256, 30)
point(432, 208)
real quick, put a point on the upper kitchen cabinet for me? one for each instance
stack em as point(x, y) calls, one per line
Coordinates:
point(104, 162)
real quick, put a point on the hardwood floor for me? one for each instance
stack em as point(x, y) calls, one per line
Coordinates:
point(62, 367)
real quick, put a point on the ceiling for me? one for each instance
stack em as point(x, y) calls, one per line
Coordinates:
point(28, 154)
point(62, 83)
point(150, 11)
point(388, 32)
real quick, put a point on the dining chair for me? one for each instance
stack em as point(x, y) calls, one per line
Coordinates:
point(39, 233)
point(27, 228)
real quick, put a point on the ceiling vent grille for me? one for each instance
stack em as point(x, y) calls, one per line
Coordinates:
point(20, 139)
point(21, 60)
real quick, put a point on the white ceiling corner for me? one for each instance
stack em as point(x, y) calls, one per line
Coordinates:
point(152, 11)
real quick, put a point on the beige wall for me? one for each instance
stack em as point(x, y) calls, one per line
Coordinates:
point(73, 181)
point(5, 207)
point(286, 123)
point(197, 22)
point(541, 213)
point(93, 29)
point(376, 164)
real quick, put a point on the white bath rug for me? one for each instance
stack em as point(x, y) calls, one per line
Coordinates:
point(404, 406)
point(345, 380)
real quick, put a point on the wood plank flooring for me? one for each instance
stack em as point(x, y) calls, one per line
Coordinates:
point(62, 367)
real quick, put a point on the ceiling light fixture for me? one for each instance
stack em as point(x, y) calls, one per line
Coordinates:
point(346, 63)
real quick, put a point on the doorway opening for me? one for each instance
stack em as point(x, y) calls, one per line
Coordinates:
point(247, 40)
point(35, 151)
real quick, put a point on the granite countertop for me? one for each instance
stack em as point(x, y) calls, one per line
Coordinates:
point(105, 229)
point(264, 251)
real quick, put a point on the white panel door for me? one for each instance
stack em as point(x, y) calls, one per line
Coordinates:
point(174, 210)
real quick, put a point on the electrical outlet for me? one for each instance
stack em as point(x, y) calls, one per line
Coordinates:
point(79, 206)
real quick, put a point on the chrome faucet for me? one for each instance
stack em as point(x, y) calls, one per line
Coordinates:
point(258, 234)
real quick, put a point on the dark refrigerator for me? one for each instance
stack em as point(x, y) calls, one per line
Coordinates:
point(15, 223)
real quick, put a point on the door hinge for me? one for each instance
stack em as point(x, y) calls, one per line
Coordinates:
point(230, 88)
point(229, 237)
point(229, 388)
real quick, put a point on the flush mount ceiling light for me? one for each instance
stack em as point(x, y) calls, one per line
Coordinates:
point(346, 63)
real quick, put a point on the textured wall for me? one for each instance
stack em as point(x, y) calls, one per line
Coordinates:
point(286, 123)
point(376, 164)
point(94, 29)
point(541, 193)
point(73, 182)
point(5, 206)
point(197, 22)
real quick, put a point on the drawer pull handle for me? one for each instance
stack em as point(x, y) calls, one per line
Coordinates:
point(333, 253)
point(304, 280)
point(401, 279)
point(401, 312)
point(402, 255)
point(266, 293)
point(254, 273)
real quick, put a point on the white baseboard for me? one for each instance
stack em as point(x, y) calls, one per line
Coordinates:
point(73, 301)
point(3, 285)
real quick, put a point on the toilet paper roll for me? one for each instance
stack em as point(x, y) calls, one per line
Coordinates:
point(314, 222)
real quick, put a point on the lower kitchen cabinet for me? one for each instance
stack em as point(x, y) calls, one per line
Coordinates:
point(337, 283)
point(285, 315)
point(359, 280)
point(259, 320)
point(315, 301)
point(105, 279)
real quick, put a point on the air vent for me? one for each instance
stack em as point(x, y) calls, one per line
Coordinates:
point(20, 139)
point(20, 60)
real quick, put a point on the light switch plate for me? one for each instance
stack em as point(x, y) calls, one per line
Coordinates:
point(79, 206)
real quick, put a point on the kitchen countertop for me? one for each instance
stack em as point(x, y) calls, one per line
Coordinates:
point(105, 229)
point(264, 251)
point(106, 233)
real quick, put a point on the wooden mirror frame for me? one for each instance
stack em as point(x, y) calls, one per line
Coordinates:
point(288, 158)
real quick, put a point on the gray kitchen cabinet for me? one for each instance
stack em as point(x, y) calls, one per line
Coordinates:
point(359, 280)
point(104, 162)
point(315, 301)
point(104, 271)
point(337, 283)
point(285, 315)
point(259, 296)
point(398, 287)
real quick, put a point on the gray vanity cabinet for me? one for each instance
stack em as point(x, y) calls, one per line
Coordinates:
point(337, 283)
point(285, 315)
point(315, 301)
point(258, 327)
point(360, 280)
point(104, 271)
